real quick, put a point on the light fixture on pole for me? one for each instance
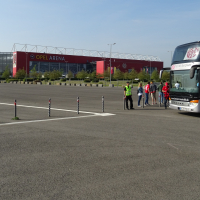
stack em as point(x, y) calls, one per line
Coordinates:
point(110, 58)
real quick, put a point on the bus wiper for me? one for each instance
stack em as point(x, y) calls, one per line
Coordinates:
point(180, 93)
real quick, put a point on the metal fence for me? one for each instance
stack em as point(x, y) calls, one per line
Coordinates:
point(81, 52)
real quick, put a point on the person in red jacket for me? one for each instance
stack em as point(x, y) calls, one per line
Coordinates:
point(165, 90)
point(147, 90)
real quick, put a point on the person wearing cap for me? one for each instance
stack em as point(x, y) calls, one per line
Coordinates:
point(165, 90)
point(128, 96)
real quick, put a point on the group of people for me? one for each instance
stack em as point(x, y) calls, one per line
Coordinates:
point(149, 89)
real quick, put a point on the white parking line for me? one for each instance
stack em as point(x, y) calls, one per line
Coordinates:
point(93, 114)
point(45, 120)
point(172, 146)
point(58, 109)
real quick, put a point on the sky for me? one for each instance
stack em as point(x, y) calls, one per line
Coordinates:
point(147, 27)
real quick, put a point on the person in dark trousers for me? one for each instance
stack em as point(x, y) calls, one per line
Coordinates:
point(140, 93)
point(160, 92)
point(128, 96)
point(147, 88)
point(165, 90)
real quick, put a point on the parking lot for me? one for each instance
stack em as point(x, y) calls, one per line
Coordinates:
point(145, 153)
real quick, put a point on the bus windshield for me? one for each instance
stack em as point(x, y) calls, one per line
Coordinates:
point(186, 53)
point(181, 82)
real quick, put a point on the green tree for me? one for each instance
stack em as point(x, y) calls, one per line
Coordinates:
point(46, 75)
point(58, 74)
point(39, 76)
point(106, 74)
point(147, 76)
point(6, 73)
point(155, 75)
point(34, 73)
point(21, 74)
point(165, 76)
point(52, 75)
point(125, 75)
point(61, 72)
point(55, 74)
point(99, 76)
point(142, 75)
point(132, 75)
point(117, 75)
point(93, 75)
point(81, 75)
point(70, 75)
point(89, 75)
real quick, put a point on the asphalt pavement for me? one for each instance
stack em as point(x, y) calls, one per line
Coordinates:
point(145, 153)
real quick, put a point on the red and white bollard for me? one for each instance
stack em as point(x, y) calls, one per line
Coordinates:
point(77, 105)
point(15, 103)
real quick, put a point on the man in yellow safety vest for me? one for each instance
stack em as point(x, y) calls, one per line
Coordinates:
point(128, 96)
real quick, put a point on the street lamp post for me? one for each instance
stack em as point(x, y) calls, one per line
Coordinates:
point(66, 68)
point(150, 69)
point(26, 66)
point(110, 58)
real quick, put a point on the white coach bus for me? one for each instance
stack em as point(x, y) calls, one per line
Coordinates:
point(184, 78)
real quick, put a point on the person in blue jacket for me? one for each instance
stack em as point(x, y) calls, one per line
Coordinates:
point(140, 93)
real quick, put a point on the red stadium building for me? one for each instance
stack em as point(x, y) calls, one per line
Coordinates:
point(94, 60)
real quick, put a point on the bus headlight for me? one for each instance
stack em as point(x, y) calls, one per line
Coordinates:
point(194, 103)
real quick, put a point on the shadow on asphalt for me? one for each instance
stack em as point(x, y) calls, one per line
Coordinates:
point(135, 108)
point(190, 114)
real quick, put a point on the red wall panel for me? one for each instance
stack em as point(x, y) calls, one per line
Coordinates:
point(99, 67)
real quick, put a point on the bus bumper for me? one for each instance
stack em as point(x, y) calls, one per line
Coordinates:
point(189, 108)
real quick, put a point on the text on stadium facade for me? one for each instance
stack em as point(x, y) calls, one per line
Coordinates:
point(45, 57)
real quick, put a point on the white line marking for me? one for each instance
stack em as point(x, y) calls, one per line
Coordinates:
point(182, 145)
point(58, 109)
point(54, 119)
point(172, 146)
point(45, 120)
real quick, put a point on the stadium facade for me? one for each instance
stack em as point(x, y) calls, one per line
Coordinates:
point(45, 58)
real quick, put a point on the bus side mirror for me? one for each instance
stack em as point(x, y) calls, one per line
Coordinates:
point(160, 75)
point(192, 70)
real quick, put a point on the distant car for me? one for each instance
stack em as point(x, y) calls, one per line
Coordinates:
point(63, 76)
